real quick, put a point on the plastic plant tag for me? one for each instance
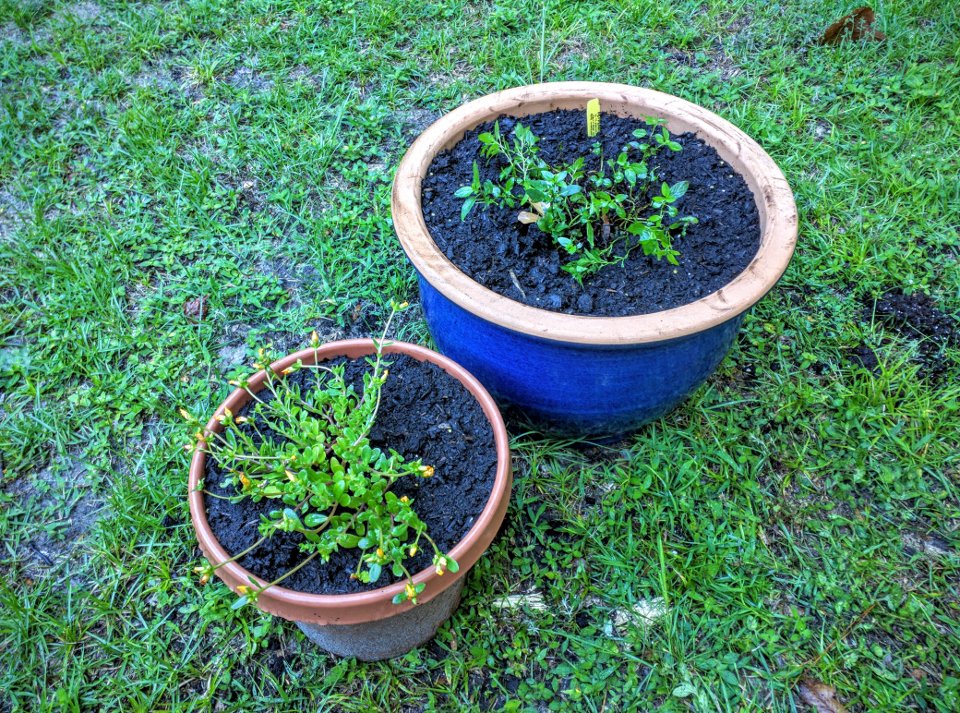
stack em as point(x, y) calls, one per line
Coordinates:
point(593, 117)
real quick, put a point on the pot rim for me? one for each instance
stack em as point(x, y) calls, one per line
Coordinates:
point(775, 203)
point(375, 604)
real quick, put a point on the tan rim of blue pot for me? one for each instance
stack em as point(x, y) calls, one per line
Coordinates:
point(578, 374)
point(368, 624)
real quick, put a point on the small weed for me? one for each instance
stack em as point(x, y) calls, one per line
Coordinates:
point(598, 216)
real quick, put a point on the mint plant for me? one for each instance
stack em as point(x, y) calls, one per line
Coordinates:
point(329, 483)
point(599, 216)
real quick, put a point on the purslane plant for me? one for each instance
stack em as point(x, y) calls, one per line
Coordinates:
point(309, 450)
point(599, 216)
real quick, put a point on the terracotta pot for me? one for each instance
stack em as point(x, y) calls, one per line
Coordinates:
point(366, 624)
point(578, 374)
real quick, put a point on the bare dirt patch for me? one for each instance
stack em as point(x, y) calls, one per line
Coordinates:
point(415, 121)
point(234, 352)
point(12, 213)
point(157, 75)
point(163, 74)
point(735, 24)
point(716, 60)
point(13, 35)
point(56, 508)
point(247, 78)
point(574, 52)
point(820, 129)
point(84, 11)
point(247, 187)
point(291, 277)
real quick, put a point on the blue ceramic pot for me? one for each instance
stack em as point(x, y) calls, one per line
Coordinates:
point(577, 374)
point(576, 389)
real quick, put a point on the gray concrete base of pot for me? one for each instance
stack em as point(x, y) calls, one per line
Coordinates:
point(387, 638)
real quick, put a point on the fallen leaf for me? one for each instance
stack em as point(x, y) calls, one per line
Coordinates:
point(821, 697)
point(857, 25)
point(516, 283)
point(196, 308)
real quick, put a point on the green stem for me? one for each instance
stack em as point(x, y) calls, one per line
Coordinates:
point(237, 556)
point(290, 572)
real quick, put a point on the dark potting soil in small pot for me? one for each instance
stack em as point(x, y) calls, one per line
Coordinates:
point(499, 252)
point(424, 413)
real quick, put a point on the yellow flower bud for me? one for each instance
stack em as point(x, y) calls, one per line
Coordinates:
point(243, 589)
point(287, 371)
point(244, 481)
point(426, 471)
point(290, 476)
point(410, 591)
point(185, 414)
point(403, 305)
point(241, 419)
point(439, 570)
point(413, 550)
point(204, 579)
point(404, 499)
point(380, 553)
point(314, 338)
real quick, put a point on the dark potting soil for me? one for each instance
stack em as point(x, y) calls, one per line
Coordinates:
point(499, 252)
point(917, 315)
point(914, 316)
point(425, 414)
point(865, 357)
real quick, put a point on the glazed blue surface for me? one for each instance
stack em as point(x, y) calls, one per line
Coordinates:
point(575, 389)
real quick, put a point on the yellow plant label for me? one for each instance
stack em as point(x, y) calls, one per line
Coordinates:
point(593, 117)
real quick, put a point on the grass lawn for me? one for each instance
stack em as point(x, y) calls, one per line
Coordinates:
point(794, 523)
